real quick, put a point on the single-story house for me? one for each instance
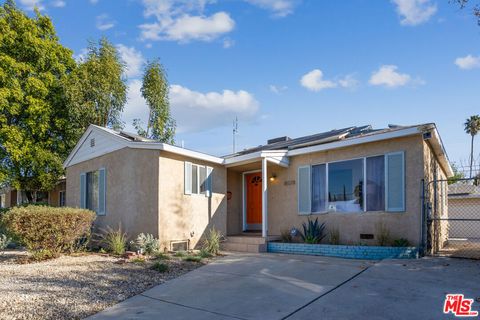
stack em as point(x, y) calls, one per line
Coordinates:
point(353, 179)
point(10, 197)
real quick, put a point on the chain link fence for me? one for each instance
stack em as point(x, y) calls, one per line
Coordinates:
point(452, 211)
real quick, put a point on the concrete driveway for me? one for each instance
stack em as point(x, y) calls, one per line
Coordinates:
point(275, 286)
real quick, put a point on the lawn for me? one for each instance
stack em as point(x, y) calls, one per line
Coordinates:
point(76, 286)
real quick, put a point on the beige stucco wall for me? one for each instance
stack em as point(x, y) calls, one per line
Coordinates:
point(131, 189)
point(54, 195)
point(282, 197)
point(189, 217)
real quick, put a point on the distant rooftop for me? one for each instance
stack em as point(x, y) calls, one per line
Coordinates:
point(287, 143)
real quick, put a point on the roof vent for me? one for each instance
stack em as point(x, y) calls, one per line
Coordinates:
point(279, 139)
point(394, 126)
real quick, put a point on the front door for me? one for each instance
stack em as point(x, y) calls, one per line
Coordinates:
point(253, 183)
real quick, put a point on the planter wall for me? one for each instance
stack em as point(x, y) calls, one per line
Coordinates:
point(341, 251)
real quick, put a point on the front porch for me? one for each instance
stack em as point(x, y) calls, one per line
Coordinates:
point(248, 181)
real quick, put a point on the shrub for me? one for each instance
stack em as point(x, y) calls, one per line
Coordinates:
point(335, 236)
point(205, 254)
point(160, 267)
point(402, 242)
point(147, 244)
point(114, 241)
point(286, 236)
point(4, 242)
point(383, 234)
point(312, 231)
point(192, 258)
point(48, 231)
point(161, 256)
point(180, 254)
point(212, 242)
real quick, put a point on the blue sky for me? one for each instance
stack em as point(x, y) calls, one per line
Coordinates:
point(290, 67)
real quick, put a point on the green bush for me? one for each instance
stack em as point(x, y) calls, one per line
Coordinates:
point(212, 242)
point(114, 241)
point(147, 244)
point(312, 231)
point(160, 267)
point(192, 258)
point(402, 242)
point(4, 242)
point(161, 256)
point(49, 230)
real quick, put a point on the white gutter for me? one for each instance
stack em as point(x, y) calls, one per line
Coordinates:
point(275, 156)
point(177, 150)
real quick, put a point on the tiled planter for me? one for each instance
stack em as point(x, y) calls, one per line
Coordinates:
point(341, 251)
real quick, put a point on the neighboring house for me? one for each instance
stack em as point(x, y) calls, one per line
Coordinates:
point(464, 203)
point(56, 197)
point(352, 179)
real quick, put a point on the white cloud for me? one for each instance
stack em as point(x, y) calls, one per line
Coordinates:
point(196, 111)
point(31, 4)
point(277, 89)
point(58, 3)
point(81, 55)
point(388, 76)
point(183, 21)
point(136, 106)
point(414, 12)
point(348, 81)
point(468, 62)
point(314, 81)
point(228, 43)
point(104, 22)
point(133, 59)
point(279, 8)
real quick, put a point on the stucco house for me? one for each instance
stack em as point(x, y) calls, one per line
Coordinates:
point(352, 179)
point(10, 197)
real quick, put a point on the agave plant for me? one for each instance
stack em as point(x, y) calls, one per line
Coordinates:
point(313, 232)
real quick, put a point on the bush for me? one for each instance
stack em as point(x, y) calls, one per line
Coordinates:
point(160, 267)
point(147, 244)
point(192, 258)
point(286, 236)
point(4, 242)
point(114, 241)
point(49, 231)
point(335, 236)
point(312, 231)
point(402, 242)
point(212, 242)
point(383, 234)
point(161, 256)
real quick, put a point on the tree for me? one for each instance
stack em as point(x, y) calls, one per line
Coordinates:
point(97, 90)
point(457, 175)
point(34, 123)
point(475, 7)
point(160, 125)
point(472, 127)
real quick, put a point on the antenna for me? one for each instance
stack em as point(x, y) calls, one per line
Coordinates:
point(235, 131)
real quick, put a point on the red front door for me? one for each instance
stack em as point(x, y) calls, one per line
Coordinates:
point(253, 182)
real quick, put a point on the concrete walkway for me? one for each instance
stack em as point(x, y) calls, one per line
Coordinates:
point(275, 286)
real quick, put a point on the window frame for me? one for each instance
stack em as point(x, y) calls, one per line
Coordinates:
point(208, 180)
point(64, 192)
point(364, 163)
point(84, 191)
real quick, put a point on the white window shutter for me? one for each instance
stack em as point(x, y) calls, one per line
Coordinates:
point(83, 190)
point(102, 192)
point(395, 182)
point(304, 190)
point(209, 182)
point(188, 178)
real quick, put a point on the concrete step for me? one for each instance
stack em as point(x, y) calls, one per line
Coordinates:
point(246, 239)
point(243, 247)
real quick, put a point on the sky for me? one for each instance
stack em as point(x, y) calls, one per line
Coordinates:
point(289, 67)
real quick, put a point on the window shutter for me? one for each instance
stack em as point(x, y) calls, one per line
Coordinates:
point(188, 178)
point(395, 178)
point(83, 190)
point(209, 182)
point(101, 192)
point(304, 190)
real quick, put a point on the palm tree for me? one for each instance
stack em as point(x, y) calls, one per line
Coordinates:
point(472, 127)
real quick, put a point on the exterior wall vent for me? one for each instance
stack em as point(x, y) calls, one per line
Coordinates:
point(427, 135)
point(92, 142)
point(179, 245)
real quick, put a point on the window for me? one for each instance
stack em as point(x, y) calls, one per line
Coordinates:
point(61, 199)
point(198, 179)
point(92, 191)
point(368, 184)
point(2, 200)
point(345, 186)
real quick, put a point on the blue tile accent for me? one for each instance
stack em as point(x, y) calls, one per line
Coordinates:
point(341, 251)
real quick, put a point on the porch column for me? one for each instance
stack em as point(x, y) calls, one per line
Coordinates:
point(264, 198)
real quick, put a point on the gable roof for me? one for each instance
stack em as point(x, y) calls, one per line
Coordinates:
point(278, 148)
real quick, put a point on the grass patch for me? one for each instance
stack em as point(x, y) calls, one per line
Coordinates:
point(161, 256)
point(138, 260)
point(192, 258)
point(180, 254)
point(160, 267)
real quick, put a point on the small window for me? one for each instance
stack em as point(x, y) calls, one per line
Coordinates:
point(2, 200)
point(195, 179)
point(198, 179)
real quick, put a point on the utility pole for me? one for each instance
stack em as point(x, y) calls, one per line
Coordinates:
point(235, 131)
